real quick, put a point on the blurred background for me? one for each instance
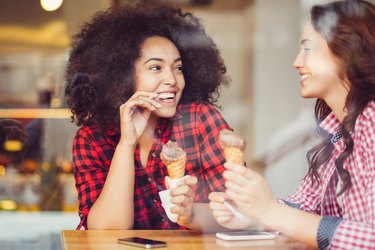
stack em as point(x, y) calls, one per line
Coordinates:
point(259, 40)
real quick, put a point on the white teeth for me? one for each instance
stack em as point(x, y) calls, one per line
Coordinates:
point(166, 95)
point(304, 76)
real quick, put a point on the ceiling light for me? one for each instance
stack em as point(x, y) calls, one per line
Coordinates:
point(50, 5)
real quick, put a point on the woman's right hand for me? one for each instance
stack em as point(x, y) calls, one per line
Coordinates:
point(224, 216)
point(134, 115)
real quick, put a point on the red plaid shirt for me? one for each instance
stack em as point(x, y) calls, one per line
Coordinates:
point(355, 227)
point(195, 128)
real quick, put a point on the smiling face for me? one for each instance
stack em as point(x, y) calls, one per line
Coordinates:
point(318, 68)
point(159, 70)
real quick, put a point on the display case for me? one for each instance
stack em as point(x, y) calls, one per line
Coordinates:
point(35, 161)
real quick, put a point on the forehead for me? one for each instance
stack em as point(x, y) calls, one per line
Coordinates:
point(157, 45)
point(309, 32)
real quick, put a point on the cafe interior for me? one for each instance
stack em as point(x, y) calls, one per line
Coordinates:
point(258, 40)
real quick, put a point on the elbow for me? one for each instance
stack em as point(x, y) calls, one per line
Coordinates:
point(109, 224)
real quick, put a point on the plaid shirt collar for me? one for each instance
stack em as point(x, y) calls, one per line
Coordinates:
point(162, 123)
point(331, 124)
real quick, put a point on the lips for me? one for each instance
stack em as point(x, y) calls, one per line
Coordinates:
point(167, 95)
point(167, 98)
point(304, 76)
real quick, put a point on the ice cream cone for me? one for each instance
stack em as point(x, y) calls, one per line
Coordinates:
point(174, 158)
point(234, 155)
point(233, 146)
point(176, 168)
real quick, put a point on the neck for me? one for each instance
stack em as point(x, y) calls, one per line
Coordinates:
point(337, 100)
point(149, 130)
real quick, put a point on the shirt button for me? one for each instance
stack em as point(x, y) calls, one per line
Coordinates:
point(155, 200)
point(159, 131)
point(149, 179)
point(154, 154)
point(163, 220)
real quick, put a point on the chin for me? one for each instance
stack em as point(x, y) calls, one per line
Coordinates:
point(306, 94)
point(166, 113)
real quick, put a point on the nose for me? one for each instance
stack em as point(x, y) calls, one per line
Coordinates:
point(169, 77)
point(298, 62)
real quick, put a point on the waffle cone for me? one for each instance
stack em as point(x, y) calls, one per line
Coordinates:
point(176, 167)
point(234, 155)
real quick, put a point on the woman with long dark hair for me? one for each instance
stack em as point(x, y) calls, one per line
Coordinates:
point(334, 207)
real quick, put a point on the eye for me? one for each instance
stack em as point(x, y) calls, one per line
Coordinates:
point(155, 68)
point(179, 68)
point(306, 49)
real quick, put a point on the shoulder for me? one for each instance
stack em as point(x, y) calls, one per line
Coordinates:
point(89, 133)
point(205, 117)
point(85, 131)
point(365, 125)
point(201, 108)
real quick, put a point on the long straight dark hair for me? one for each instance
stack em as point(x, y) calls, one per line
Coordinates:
point(349, 28)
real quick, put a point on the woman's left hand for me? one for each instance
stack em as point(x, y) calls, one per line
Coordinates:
point(183, 198)
point(248, 190)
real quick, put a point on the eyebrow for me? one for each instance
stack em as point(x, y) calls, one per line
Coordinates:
point(305, 41)
point(161, 60)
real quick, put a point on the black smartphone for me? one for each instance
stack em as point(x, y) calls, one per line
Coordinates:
point(142, 242)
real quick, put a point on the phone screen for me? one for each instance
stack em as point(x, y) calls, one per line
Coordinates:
point(142, 242)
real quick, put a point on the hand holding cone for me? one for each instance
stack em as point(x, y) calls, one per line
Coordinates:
point(174, 158)
point(233, 147)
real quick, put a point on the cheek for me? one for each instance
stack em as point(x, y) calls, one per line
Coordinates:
point(181, 83)
point(327, 72)
point(145, 83)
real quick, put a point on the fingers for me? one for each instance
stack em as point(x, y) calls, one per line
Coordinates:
point(236, 182)
point(218, 197)
point(223, 219)
point(144, 94)
point(240, 182)
point(235, 167)
point(147, 98)
point(141, 99)
point(185, 186)
point(183, 190)
point(190, 181)
point(183, 194)
point(219, 209)
point(132, 104)
point(220, 212)
point(183, 199)
point(185, 214)
point(240, 177)
point(184, 211)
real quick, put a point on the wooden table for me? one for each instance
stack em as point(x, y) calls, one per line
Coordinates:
point(176, 240)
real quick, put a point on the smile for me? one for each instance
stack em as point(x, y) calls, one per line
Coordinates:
point(304, 76)
point(167, 97)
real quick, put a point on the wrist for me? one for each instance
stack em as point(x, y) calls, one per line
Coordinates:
point(268, 216)
point(126, 145)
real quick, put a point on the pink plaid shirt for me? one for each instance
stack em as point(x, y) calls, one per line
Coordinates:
point(350, 225)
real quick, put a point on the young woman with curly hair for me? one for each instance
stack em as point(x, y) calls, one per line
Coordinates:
point(334, 207)
point(137, 77)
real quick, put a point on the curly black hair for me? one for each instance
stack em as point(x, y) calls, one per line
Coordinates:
point(100, 71)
